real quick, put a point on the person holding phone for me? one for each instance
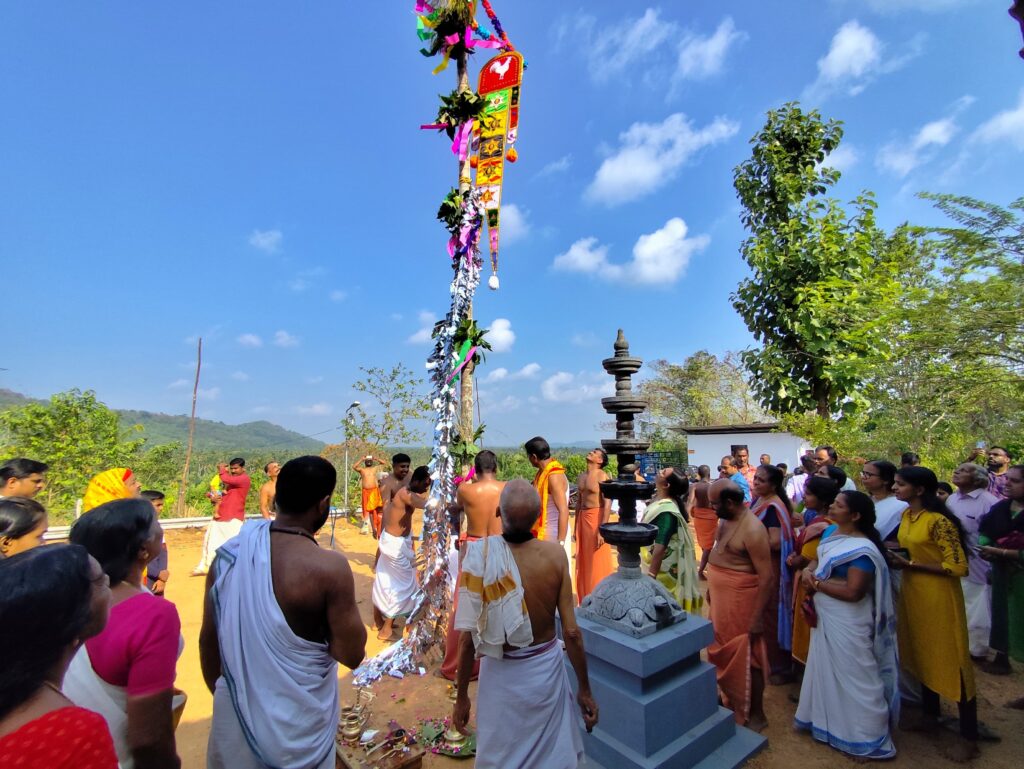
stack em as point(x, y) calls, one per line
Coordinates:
point(931, 620)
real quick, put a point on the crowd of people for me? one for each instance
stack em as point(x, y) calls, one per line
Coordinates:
point(870, 599)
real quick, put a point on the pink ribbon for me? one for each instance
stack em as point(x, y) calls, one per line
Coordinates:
point(422, 6)
point(471, 43)
point(460, 144)
point(428, 126)
point(467, 359)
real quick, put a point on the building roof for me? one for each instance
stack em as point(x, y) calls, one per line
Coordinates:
point(753, 427)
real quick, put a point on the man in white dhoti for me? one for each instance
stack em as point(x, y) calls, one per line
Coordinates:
point(395, 582)
point(510, 588)
point(280, 614)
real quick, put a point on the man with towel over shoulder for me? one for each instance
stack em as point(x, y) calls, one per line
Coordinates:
point(280, 614)
point(510, 588)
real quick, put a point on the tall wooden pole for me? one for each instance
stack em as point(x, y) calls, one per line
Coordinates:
point(183, 486)
point(465, 184)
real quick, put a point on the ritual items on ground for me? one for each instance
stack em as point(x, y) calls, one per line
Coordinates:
point(391, 748)
point(439, 736)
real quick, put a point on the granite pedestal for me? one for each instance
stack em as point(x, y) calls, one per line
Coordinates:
point(659, 702)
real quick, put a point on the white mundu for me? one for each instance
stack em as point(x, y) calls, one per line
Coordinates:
point(276, 702)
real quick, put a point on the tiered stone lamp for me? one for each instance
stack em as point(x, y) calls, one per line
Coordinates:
point(658, 700)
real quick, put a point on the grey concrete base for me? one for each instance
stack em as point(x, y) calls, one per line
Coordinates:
point(659, 702)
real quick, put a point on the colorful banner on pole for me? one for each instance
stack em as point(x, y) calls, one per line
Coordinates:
point(497, 130)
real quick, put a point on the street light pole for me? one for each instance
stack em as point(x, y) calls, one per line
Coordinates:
point(348, 422)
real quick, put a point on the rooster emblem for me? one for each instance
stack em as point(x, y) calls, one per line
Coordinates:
point(500, 68)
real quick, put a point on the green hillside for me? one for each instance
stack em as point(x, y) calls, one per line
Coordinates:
point(210, 435)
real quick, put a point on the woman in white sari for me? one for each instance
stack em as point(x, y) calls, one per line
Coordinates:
point(849, 698)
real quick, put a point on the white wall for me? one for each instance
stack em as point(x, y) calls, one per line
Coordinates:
point(709, 449)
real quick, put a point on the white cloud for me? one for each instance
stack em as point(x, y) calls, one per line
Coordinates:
point(930, 6)
point(250, 340)
point(529, 371)
point(585, 339)
point(298, 284)
point(178, 384)
point(1006, 126)
point(856, 56)
point(338, 295)
point(622, 45)
point(500, 335)
point(317, 409)
point(240, 376)
point(508, 403)
point(902, 157)
point(564, 387)
point(312, 380)
point(267, 241)
point(260, 410)
point(556, 166)
point(659, 258)
point(284, 339)
point(396, 316)
point(514, 225)
point(651, 155)
point(701, 57)
point(210, 394)
point(843, 158)
point(424, 334)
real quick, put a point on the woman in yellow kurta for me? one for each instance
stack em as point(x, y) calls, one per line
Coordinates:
point(932, 623)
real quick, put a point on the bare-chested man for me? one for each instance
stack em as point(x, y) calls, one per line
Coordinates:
point(280, 613)
point(525, 716)
point(396, 581)
point(398, 478)
point(268, 489)
point(705, 521)
point(593, 555)
point(367, 468)
point(740, 580)
point(479, 501)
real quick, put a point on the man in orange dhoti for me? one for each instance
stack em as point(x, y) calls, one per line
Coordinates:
point(373, 505)
point(740, 580)
point(593, 554)
point(705, 521)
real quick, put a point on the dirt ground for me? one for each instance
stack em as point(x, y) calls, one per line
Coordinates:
point(415, 697)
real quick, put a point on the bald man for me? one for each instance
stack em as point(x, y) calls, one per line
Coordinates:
point(525, 580)
point(740, 580)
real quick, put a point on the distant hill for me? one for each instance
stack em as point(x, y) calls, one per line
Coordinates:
point(210, 435)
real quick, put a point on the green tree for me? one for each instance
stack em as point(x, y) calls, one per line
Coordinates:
point(823, 279)
point(76, 435)
point(702, 390)
point(398, 404)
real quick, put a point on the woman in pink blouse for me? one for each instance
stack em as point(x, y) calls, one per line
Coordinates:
point(126, 673)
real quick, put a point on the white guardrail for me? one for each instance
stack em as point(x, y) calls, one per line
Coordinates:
point(60, 533)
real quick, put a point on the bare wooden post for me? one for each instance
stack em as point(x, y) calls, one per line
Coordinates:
point(183, 486)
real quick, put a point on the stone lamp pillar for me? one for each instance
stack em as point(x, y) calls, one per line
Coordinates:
point(658, 700)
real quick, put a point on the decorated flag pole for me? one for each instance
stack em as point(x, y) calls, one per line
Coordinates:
point(452, 31)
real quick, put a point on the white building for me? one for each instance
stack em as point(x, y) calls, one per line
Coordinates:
point(707, 445)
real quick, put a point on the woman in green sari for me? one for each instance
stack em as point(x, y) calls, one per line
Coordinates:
point(672, 559)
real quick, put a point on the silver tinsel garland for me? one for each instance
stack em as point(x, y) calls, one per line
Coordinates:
point(427, 623)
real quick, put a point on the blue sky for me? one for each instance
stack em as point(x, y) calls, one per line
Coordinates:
point(254, 173)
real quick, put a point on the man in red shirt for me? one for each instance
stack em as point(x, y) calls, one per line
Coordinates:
point(227, 521)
